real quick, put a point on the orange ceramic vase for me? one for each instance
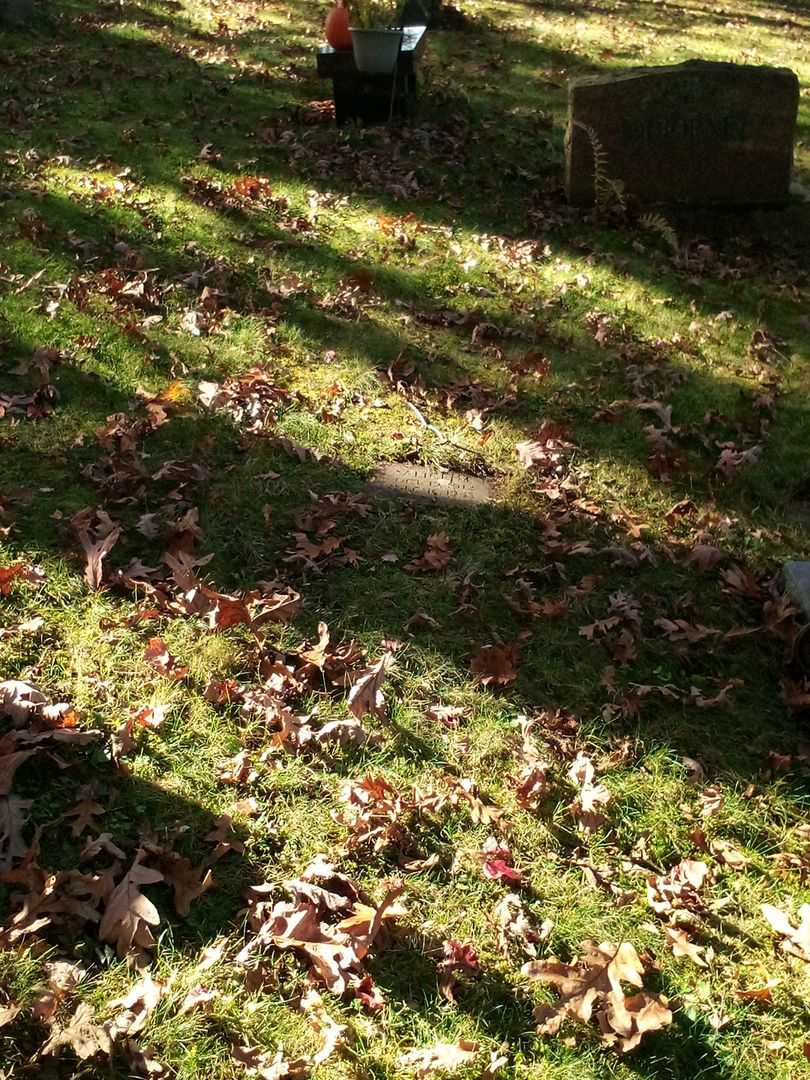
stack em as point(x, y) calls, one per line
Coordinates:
point(337, 27)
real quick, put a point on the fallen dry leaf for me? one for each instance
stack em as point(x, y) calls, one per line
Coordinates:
point(333, 1034)
point(459, 959)
point(225, 838)
point(82, 1035)
point(329, 922)
point(188, 882)
point(464, 791)
point(762, 994)
point(449, 715)
point(532, 783)
point(436, 556)
point(496, 862)
point(723, 850)
point(681, 945)
point(19, 571)
point(9, 763)
point(159, 657)
point(795, 939)
point(129, 914)
point(592, 987)
point(269, 1066)
point(136, 1006)
point(586, 808)
point(21, 701)
point(442, 1057)
point(515, 928)
point(83, 814)
point(8, 1013)
point(97, 534)
point(546, 453)
point(711, 801)
point(495, 665)
point(197, 998)
point(141, 1060)
point(366, 697)
point(420, 620)
point(680, 888)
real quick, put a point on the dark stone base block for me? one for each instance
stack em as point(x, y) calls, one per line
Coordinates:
point(368, 98)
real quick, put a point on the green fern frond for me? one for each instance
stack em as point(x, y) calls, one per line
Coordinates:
point(659, 225)
point(606, 190)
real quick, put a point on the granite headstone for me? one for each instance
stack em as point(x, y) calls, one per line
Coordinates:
point(701, 133)
point(16, 12)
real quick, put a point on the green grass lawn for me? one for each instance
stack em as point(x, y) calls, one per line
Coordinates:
point(176, 209)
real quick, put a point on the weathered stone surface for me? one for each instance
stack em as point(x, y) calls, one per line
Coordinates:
point(16, 12)
point(702, 133)
point(797, 584)
point(421, 483)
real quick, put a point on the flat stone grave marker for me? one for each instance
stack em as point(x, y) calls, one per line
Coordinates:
point(700, 133)
point(421, 483)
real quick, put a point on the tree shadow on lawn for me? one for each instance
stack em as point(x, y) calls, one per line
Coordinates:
point(502, 1011)
point(203, 104)
point(487, 130)
point(576, 357)
point(493, 544)
point(404, 968)
point(675, 16)
point(374, 601)
point(248, 544)
point(394, 284)
point(340, 160)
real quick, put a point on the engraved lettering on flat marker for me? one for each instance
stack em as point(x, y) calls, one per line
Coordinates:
point(419, 482)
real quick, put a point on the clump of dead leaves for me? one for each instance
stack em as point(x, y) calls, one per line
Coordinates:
point(591, 988)
point(252, 399)
point(387, 818)
point(329, 922)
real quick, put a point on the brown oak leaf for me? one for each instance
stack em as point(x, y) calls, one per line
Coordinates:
point(162, 660)
point(83, 813)
point(19, 571)
point(129, 914)
point(136, 1006)
point(82, 1035)
point(442, 1057)
point(436, 556)
point(224, 837)
point(495, 665)
point(366, 696)
point(682, 945)
point(795, 939)
point(591, 987)
point(97, 540)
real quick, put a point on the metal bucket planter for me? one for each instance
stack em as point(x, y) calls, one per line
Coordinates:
point(376, 51)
